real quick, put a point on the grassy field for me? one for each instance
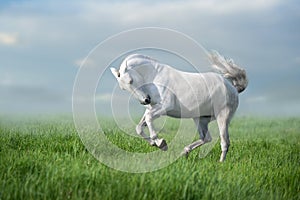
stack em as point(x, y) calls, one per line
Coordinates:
point(44, 158)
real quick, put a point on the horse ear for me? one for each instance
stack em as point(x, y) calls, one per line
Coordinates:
point(115, 72)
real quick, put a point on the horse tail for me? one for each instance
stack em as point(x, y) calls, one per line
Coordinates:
point(231, 71)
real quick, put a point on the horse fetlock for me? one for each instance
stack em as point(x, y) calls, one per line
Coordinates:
point(185, 152)
point(223, 156)
point(152, 143)
point(138, 129)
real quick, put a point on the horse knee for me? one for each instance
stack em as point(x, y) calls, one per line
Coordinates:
point(148, 119)
point(138, 129)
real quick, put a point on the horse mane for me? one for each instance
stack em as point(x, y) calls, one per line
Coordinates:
point(136, 60)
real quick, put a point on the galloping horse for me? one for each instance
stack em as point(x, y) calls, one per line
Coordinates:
point(201, 96)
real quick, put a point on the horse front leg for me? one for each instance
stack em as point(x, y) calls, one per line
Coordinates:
point(140, 131)
point(152, 114)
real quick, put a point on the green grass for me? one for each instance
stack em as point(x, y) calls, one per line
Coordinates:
point(45, 159)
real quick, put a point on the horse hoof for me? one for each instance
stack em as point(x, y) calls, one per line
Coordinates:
point(162, 144)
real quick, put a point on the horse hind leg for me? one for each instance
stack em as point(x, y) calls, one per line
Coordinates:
point(202, 127)
point(223, 121)
point(204, 121)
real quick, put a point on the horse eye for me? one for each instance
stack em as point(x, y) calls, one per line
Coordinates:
point(131, 81)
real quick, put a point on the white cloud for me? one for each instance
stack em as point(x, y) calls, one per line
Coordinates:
point(8, 38)
point(138, 12)
point(6, 80)
point(95, 15)
point(256, 99)
point(103, 97)
point(85, 62)
point(221, 7)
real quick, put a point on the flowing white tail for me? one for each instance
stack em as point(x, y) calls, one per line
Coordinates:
point(229, 70)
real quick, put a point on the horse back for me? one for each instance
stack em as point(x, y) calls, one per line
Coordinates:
point(196, 94)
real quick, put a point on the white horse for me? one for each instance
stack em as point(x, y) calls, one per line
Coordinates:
point(201, 96)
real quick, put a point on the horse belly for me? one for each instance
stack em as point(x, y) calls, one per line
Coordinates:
point(190, 113)
point(196, 110)
point(190, 106)
point(202, 96)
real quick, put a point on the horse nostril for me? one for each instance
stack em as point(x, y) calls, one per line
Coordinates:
point(148, 99)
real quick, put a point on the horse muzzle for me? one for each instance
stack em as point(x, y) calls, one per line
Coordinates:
point(146, 101)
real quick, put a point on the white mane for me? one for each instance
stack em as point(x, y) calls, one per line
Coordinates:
point(136, 60)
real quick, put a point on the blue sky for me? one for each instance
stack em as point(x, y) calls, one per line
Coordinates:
point(42, 44)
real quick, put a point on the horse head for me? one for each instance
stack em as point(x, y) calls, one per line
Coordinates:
point(132, 82)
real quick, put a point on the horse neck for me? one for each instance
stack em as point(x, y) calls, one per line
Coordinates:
point(148, 72)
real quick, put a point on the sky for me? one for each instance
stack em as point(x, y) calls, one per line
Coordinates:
point(43, 43)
